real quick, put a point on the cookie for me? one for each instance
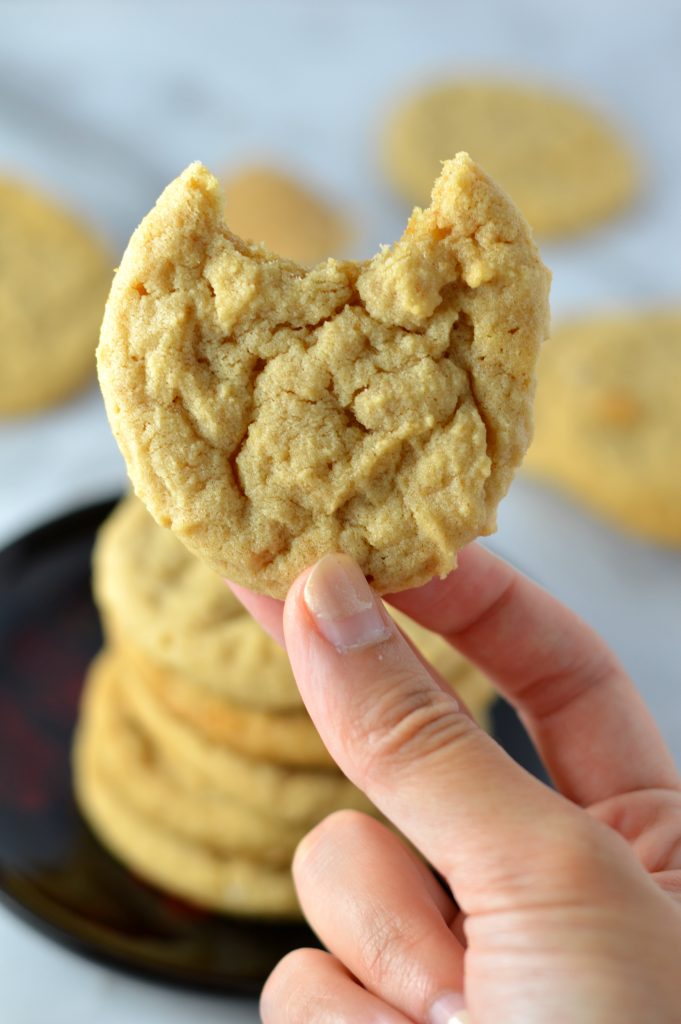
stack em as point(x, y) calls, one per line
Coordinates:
point(285, 794)
point(285, 738)
point(559, 161)
point(269, 207)
point(609, 420)
point(270, 414)
point(193, 871)
point(157, 598)
point(54, 277)
point(116, 747)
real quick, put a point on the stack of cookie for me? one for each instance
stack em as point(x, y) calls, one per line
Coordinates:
point(195, 761)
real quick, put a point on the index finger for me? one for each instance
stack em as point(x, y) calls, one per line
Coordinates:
point(591, 727)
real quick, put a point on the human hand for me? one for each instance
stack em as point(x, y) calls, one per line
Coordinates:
point(568, 903)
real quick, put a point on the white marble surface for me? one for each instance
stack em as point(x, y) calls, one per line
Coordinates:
point(105, 103)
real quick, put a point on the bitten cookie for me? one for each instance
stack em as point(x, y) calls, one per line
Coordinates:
point(269, 414)
point(559, 161)
point(609, 419)
point(269, 207)
point(54, 277)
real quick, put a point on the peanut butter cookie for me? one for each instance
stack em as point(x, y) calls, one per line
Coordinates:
point(557, 159)
point(269, 207)
point(54, 276)
point(270, 414)
point(609, 419)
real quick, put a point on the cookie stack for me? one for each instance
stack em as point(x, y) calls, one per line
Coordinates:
point(195, 761)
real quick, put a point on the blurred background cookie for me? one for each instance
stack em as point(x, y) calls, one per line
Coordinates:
point(266, 205)
point(561, 162)
point(182, 864)
point(54, 278)
point(608, 419)
point(116, 745)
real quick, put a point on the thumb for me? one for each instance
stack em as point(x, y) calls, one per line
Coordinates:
point(411, 747)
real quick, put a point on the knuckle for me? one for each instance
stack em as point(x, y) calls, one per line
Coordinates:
point(411, 722)
point(313, 847)
point(577, 853)
point(290, 993)
point(385, 950)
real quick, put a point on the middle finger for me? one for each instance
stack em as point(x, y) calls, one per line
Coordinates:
point(380, 911)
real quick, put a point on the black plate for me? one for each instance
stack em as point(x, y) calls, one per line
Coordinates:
point(53, 872)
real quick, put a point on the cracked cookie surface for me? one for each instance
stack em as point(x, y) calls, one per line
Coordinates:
point(270, 414)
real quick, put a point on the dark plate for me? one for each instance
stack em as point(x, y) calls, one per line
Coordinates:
point(53, 872)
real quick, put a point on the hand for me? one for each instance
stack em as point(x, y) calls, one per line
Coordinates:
point(568, 903)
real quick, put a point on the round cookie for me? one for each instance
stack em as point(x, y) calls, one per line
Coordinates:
point(558, 160)
point(269, 414)
point(269, 207)
point(154, 596)
point(54, 277)
point(285, 794)
point(138, 770)
point(609, 419)
point(233, 885)
point(286, 738)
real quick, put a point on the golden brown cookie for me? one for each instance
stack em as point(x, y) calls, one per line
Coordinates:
point(559, 161)
point(292, 795)
point(283, 737)
point(54, 276)
point(266, 206)
point(170, 794)
point(154, 596)
point(191, 870)
point(609, 419)
point(270, 414)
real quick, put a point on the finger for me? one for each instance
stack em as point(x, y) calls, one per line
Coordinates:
point(591, 727)
point(312, 987)
point(406, 742)
point(367, 898)
point(264, 609)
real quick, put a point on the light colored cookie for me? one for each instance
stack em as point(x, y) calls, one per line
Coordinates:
point(283, 737)
point(266, 206)
point(270, 414)
point(609, 419)
point(195, 872)
point(285, 794)
point(54, 276)
point(182, 800)
point(156, 597)
point(558, 160)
